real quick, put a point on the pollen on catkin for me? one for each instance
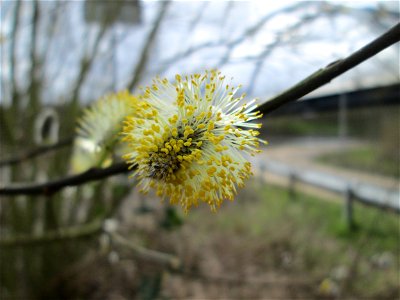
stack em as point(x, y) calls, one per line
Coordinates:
point(98, 131)
point(188, 139)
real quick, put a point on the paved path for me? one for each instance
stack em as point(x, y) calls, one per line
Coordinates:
point(301, 154)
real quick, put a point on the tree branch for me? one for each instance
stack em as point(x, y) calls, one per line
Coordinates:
point(306, 86)
point(280, 40)
point(86, 64)
point(53, 236)
point(144, 56)
point(333, 70)
point(50, 187)
point(251, 31)
point(35, 152)
point(15, 95)
point(167, 260)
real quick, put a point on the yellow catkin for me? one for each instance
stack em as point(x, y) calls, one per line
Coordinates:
point(190, 149)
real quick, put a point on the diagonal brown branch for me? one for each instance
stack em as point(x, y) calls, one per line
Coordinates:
point(333, 70)
point(306, 86)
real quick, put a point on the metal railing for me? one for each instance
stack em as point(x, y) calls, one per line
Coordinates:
point(352, 190)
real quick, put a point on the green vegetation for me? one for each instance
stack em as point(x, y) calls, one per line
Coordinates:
point(264, 245)
point(367, 158)
point(296, 126)
point(376, 124)
point(306, 237)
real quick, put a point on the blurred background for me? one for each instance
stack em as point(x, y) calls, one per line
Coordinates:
point(319, 220)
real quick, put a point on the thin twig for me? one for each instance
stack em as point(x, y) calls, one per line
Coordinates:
point(333, 70)
point(61, 234)
point(86, 65)
point(15, 94)
point(167, 260)
point(306, 86)
point(35, 152)
point(144, 56)
point(279, 41)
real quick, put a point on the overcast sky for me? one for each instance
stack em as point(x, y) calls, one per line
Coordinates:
point(295, 43)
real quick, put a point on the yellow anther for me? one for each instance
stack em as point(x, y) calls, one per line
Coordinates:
point(173, 119)
point(219, 148)
point(200, 116)
point(188, 157)
point(147, 132)
point(155, 128)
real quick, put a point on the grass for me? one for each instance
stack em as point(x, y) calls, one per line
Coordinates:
point(366, 158)
point(311, 232)
point(299, 127)
point(289, 245)
point(324, 218)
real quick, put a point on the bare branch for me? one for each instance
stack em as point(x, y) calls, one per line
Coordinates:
point(167, 260)
point(196, 20)
point(35, 152)
point(271, 47)
point(53, 236)
point(50, 187)
point(13, 46)
point(35, 83)
point(333, 70)
point(306, 86)
point(86, 64)
point(51, 30)
point(166, 64)
point(144, 56)
point(230, 45)
point(251, 31)
point(15, 95)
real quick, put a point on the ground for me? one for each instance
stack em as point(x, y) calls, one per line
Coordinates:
point(264, 245)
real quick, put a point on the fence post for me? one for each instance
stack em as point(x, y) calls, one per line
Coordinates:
point(292, 186)
point(348, 209)
point(262, 170)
